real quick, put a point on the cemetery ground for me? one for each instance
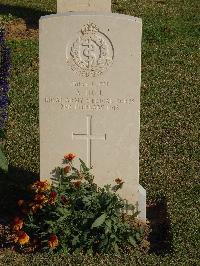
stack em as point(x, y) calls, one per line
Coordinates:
point(169, 141)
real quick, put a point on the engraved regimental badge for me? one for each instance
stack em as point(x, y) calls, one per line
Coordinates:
point(91, 53)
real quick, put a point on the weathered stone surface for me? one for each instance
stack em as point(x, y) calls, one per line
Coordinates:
point(90, 95)
point(83, 5)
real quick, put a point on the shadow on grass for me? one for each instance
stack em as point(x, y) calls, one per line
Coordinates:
point(30, 15)
point(13, 186)
point(161, 234)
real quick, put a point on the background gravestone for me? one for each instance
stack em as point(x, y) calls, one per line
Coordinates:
point(90, 96)
point(83, 5)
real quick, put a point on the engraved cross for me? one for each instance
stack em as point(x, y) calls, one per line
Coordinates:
point(89, 138)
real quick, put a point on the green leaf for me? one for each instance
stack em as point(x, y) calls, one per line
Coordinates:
point(50, 223)
point(107, 187)
point(3, 162)
point(116, 248)
point(103, 243)
point(137, 235)
point(132, 241)
point(141, 230)
point(83, 165)
point(2, 134)
point(116, 188)
point(62, 211)
point(99, 221)
point(32, 226)
point(109, 223)
point(75, 240)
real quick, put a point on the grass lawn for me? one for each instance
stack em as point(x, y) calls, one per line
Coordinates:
point(170, 111)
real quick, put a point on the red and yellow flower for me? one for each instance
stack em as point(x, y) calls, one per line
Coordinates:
point(67, 169)
point(64, 199)
point(69, 157)
point(40, 199)
point(20, 203)
point(52, 197)
point(119, 181)
point(35, 207)
point(22, 238)
point(17, 224)
point(40, 186)
point(77, 184)
point(81, 175)
point(53, 241)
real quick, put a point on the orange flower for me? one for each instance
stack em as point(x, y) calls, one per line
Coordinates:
point(40, 199)
point(67, 169)
point(22, 238)
point(119, 181)
point(53, 241)
point(53, 196)
point(69, 157)
point(81, 175)
point(20, 203)
point(77, 184)
point(35, 207)
point(40, 186)
point(17, 224)
point(64, 199)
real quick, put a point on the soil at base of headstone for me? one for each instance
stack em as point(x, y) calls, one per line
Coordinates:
point(7, 237)
point(18, 30)
point(156, 239)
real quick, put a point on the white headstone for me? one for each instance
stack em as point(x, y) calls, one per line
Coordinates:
point(83, 5)
point(90, 95)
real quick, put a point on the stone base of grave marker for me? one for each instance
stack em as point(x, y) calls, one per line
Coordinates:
point(141, 203)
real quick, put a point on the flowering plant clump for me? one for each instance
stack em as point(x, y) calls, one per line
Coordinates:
point(74, 214)
point(4, 87)
point(22, 238)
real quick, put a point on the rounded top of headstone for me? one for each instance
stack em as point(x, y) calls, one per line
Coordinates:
point(92, 14)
